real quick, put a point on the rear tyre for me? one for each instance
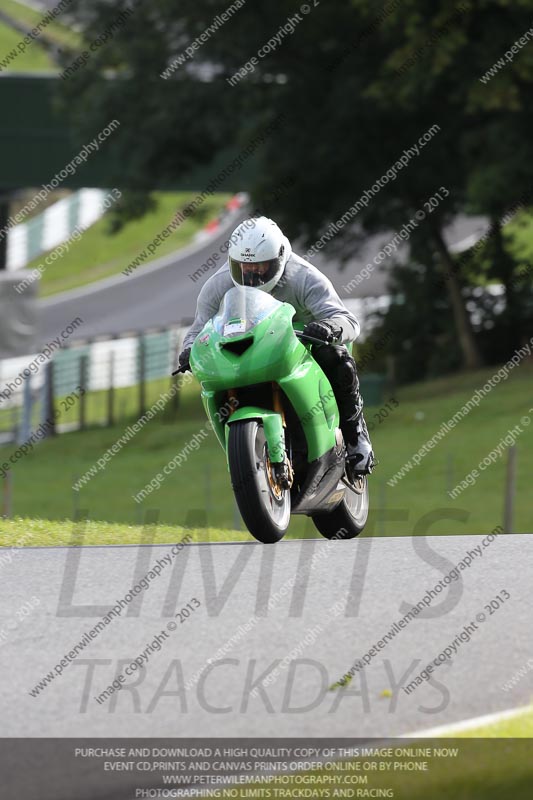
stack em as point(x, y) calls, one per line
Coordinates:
point(350, 517)
point(264, 507)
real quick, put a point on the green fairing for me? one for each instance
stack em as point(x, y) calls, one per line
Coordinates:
point(275, 355)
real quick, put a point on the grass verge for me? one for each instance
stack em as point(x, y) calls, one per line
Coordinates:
point(468, 767)
point(518, 727)
point(200, 485)
point(33, 59)
point(27, 531)
point(97, 254)
point(55, 31)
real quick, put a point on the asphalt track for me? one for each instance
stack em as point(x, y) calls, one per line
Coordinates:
point(293, 587)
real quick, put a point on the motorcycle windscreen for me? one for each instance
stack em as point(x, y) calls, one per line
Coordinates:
point(242, 309)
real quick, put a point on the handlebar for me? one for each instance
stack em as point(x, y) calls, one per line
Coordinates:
point(312, 339)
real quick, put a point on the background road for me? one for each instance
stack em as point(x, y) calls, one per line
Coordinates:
point(232, 582)
point(163, 294)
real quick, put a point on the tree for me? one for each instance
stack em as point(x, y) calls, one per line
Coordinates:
point(358, 87)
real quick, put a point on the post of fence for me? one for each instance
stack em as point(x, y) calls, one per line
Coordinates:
point(7, 495)
point(24, 429)
point(508, 507)
point(142, 374)
point(83, 365)
point(111, 391)
point(48, 418)
point(15, 422)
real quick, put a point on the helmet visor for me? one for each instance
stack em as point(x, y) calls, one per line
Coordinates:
point(246, 273)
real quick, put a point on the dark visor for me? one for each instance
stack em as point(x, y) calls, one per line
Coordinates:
point(248, 274)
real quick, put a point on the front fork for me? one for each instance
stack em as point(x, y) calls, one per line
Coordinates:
point(278, 466)
point(283, 472)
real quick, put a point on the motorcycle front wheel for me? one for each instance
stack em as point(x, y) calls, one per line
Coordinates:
point(264, 506)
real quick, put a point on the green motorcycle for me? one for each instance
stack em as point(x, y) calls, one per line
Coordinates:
point(274, 412)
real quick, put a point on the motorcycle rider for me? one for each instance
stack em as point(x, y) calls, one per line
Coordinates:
point(261, 256)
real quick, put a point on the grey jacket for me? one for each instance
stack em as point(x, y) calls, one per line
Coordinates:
point(302, 285)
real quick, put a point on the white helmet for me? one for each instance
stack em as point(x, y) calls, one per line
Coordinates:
point(258, 242)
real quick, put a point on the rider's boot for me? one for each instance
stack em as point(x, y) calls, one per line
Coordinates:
point(360, 456)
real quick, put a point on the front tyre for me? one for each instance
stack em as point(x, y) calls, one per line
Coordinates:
point(264, 506)
point(349, 518)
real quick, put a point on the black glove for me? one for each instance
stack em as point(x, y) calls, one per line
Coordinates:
point(329, 332)
point(183, 360)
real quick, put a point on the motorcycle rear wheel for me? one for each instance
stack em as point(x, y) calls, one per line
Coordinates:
point(349, 518)
point(264, 507)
